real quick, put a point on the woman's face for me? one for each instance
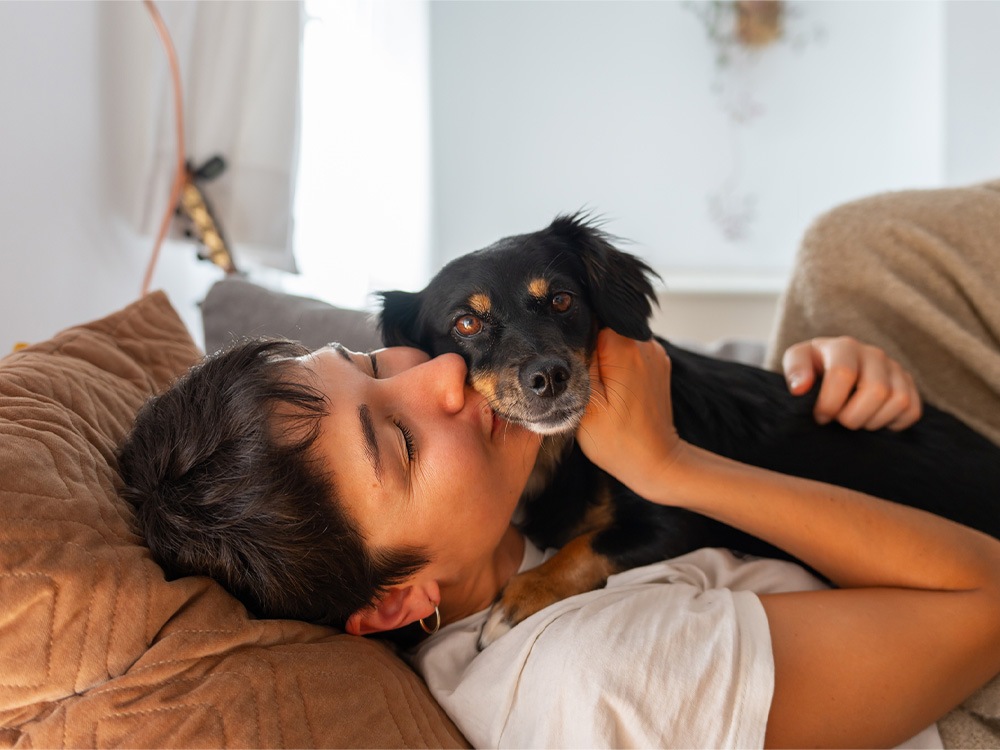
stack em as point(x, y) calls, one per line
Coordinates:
point(418, 457)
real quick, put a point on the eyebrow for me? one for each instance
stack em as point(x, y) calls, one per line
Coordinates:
point(342, 351)
point(372, 452)
point(371, 443)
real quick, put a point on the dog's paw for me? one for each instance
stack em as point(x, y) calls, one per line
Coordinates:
point(496, 626)
point(524, 595)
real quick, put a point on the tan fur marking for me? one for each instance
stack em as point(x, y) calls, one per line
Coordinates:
point(480, 303)
point(599, 516)
point(538, 288)
point(574, 569)
point(485, 383)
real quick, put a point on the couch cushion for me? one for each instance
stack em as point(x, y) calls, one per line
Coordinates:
point(96, 648)
point(235, 308)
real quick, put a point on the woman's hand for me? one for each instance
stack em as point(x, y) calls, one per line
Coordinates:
point(862, 386)
point(628, 429)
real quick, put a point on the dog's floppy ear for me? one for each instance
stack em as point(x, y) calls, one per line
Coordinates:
point(619, 283)
point(398, 319)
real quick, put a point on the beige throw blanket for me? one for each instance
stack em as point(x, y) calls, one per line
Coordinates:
point(917, 273)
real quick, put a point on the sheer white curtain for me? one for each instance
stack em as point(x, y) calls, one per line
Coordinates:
point(240, 71)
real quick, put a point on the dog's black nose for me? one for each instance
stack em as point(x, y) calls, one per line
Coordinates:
point(546, 378)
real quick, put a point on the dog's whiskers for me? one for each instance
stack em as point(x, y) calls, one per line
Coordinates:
point(618, 403)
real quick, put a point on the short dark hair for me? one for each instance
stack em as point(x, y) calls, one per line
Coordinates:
point(224, 482)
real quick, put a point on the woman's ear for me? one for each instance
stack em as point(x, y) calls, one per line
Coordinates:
point(398, 607)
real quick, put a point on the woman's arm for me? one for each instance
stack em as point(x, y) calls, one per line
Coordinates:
point(915, 627)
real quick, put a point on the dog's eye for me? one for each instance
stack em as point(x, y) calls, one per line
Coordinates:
point(468, 325)
point(562, 301)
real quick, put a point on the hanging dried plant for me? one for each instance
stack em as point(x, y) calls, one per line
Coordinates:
point(737, 24)
point(738, 32)
point(759, 22)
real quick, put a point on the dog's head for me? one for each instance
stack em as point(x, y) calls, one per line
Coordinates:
point(524, 313)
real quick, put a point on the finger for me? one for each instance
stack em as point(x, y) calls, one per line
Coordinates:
point(872, 392)
point(897, 402)
point(913, 412)
point(606, 358)
point(840, 373)
point(799, 367)
point(657, 351)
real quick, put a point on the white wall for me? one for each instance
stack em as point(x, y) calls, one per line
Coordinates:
point(708, 317)
point(541, 107)
point(972, 101)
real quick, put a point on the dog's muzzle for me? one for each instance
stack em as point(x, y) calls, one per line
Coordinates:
point(547, 395)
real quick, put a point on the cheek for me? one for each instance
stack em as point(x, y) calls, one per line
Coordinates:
point(461, 464)
point(485, 483)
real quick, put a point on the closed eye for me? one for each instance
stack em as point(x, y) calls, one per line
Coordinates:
point(371, 358)
point(411, 450)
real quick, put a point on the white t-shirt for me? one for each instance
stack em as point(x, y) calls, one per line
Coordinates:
point(635, 664)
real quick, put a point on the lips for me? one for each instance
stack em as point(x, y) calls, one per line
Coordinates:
point(492, 422)
point(495, 422)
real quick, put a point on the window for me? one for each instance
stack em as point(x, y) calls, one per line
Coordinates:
point(363, 203)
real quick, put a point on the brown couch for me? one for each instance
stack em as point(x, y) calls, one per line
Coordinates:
point(97, 649)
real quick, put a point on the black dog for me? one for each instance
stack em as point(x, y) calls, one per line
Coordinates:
point(525, 312)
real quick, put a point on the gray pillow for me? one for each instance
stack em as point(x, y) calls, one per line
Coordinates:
point(235, 308)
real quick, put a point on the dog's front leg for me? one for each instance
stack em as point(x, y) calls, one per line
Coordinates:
point(574, 569)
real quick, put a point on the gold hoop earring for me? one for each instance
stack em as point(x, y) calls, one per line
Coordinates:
point(437, 622)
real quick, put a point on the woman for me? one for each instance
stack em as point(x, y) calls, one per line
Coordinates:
point(418, 481)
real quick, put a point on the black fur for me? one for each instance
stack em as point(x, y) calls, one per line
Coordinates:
point(740, 412)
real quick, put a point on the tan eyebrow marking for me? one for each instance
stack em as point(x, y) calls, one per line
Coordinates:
point(538, 288)
point(480, 303)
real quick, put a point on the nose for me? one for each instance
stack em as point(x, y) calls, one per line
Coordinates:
point(546, 378)
point(442, 379)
